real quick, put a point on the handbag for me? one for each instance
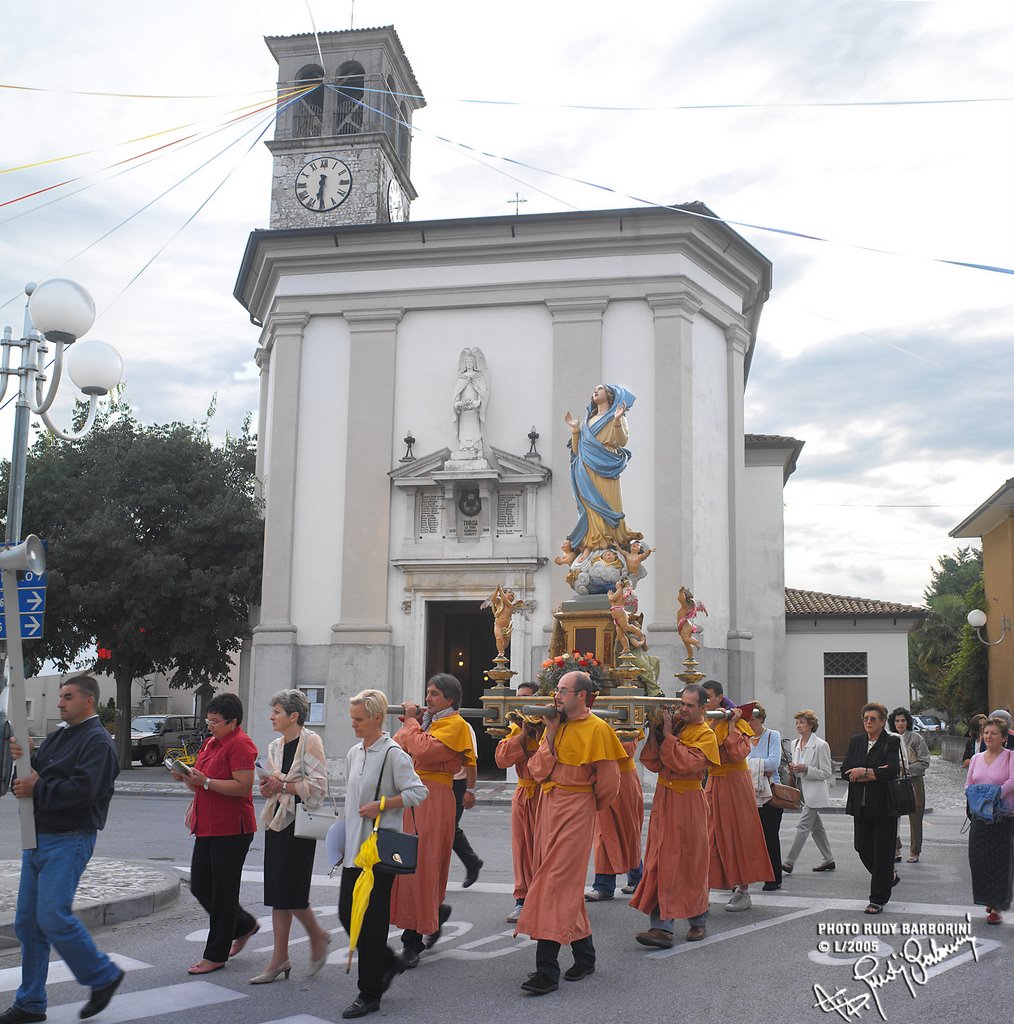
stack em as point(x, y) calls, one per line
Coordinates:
point(788, 798)
point(398, 851)
point(900, 791)
point(314, 822)
point(984, 803)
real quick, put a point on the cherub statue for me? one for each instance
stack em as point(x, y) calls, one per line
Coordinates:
point(635, 555)
point(626, 631)
point(568, 556)
point(504, 606)
point(685, 625)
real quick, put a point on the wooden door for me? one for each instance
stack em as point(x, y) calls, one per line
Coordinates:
point(843, 704)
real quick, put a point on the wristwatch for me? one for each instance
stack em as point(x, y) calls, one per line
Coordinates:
point(207, 784)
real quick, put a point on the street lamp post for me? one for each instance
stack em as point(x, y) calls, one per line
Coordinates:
point(57, 313)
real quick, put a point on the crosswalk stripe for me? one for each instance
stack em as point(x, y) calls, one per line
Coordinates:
point(299, 1018)
point(10, 977)
point(151, 1002)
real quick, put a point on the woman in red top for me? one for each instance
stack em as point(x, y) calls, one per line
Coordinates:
point(224, 825)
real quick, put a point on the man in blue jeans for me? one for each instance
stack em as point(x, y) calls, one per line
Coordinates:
point(71, 785)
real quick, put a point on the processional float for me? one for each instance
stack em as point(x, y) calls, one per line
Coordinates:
point(599, 630)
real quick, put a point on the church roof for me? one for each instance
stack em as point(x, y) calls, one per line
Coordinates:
point(810, 603)
point(776, 444)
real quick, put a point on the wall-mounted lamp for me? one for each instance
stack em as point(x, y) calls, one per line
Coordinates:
point(977, 619)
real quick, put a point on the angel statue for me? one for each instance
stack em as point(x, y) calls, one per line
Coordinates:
point(504, 606)
point(597, 458)
point(685, 625)
point(471, 396)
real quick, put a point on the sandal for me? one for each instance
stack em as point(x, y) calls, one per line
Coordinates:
point(914, 859)
point(874, 908)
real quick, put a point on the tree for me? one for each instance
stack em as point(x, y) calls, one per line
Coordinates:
point(964, 689)
point(934, 643)
point(155, 544)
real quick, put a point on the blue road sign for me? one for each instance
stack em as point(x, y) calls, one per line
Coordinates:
point(31, 604)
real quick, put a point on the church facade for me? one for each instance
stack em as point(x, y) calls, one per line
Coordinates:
point(414, 381)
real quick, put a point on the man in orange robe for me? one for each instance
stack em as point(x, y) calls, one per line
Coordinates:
point(618, 833)
point(577, 766)
point(675, 882)
point(739, 854)
point(438, 746)
point(513, 751)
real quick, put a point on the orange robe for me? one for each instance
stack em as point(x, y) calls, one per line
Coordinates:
point(676, 859)
point(579, 779)
point(618, 826)
point(524, 806)
point(416, 899)
point(739, 854)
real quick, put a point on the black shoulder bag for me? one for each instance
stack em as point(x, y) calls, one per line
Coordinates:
point(398, 851)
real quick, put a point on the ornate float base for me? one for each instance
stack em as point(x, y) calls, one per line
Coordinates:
point(500, 673)
point(690, 673)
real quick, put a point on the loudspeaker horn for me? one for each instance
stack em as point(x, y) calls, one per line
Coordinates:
point(29, 555)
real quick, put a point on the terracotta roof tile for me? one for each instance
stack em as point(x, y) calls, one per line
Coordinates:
point(811, 602)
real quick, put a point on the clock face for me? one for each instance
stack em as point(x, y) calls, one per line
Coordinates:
point(395, 202)
point(323, 184)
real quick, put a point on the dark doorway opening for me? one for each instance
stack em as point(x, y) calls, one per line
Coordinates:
point(459, 640)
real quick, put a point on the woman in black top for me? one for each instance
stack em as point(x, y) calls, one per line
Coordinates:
point(871, 762)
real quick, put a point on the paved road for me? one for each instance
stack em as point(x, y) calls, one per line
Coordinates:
point(759, 966)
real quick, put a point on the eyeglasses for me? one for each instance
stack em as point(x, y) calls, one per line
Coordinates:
point(871, 718)
point(565, 689)
point(211, 725)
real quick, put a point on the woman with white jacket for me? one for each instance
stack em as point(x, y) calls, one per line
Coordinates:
point(811, 763)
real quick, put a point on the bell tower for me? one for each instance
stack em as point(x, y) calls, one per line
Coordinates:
point(342, 150)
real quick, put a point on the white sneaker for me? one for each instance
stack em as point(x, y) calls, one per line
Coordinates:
point(740, 901)
point(628, 889)
point(515, 913)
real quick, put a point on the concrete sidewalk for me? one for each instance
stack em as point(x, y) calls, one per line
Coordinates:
point(110, 891)
point(117, 890)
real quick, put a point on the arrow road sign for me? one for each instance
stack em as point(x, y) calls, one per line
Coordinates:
point(31, 626)
point(33, 600)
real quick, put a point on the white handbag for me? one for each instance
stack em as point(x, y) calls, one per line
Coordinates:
point(314, 822)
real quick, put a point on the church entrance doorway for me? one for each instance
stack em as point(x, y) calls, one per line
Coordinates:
point(459, 640)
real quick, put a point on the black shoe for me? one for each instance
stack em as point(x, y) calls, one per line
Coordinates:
point(895, 880)
point(15, 1015)
point(397, 967)
point(442, 915)
point(579, 971)
point(828, 865)
point(472, 874)
point(359, 1007)
point(409, 959)
point(100, 998)
point(771, 886)
point(539, 984)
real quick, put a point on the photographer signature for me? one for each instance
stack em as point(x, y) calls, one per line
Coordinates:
point(912, 965)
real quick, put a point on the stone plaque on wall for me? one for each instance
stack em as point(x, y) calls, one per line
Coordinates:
point(509, 514)
point(430, 515)
point(469, 528)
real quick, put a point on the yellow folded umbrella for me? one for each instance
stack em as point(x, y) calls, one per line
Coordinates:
point(365, 860)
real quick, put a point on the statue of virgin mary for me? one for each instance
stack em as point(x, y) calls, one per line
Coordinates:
point(471, 396)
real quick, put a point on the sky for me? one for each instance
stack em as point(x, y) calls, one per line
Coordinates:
point(811, 116)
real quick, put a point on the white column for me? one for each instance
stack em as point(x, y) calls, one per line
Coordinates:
point(577, 369)
point(672, 564)
point(740, 667)
point(366, 541)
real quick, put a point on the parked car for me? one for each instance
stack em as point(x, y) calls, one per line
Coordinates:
point(152, 735)
point(927, 723)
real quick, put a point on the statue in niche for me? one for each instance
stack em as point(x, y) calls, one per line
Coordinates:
point(597, 458)
point(471, 396)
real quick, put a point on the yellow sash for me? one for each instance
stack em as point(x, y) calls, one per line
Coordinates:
point(528, 785)
point(547, 786)
point(720, 771)
point(446, 778)
point(680, 785)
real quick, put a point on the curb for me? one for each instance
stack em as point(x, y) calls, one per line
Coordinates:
point(152, 889)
